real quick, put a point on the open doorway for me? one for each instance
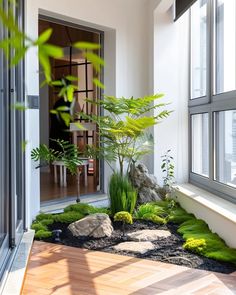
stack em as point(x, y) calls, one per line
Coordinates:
point(52, 187)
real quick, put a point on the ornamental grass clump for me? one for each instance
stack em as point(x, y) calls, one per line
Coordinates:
point(122, 194)
point(125, 218)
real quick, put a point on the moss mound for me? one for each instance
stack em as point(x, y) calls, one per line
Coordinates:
point(86, 209)
point(201, 240)
point(68, 217)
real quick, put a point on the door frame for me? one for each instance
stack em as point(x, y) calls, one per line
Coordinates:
point(101, 35)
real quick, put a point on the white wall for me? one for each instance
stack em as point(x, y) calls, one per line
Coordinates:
point(171, 78)
point(126, 53)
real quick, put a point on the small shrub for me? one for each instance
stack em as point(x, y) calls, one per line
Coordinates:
point(122, 194)
point(43, 234)
point(125, 217)
point(68, 217)
point(195, 245)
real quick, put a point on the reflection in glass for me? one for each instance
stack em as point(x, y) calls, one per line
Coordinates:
point(225, 46)
point(200, 144)
point(226, 147)
point(198, 48)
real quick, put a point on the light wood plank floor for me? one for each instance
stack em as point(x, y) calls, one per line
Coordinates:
point(57, 269)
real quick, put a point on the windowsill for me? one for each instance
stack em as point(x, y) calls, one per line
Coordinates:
point(209, 200)
point(15, 276)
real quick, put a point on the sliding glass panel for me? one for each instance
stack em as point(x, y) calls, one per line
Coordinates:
point(198, 49)
point(225, 141)
point(200, 144)
point(4, 194)
point(225, 46)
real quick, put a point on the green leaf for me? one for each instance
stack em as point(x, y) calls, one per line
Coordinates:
point(71, 78)
point(54, 112)
point(66, 118)
point(63, 108)
point(44, 37)
point(23, 145)
point(98, 83)
point(70, 93)
point(97, 61)
point(52, 50)
point(19, 54)
point(56, 83)
point(19, 106)
point(86, 45)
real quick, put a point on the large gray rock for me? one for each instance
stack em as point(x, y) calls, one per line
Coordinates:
point(135, 247)
point(146, 184)
point(95, 225)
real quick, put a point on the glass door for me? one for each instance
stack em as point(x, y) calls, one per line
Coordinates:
point(4, 156)
point(12, 175)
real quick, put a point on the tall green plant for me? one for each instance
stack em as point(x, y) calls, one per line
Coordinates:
point(124, 128)
point(123, 196)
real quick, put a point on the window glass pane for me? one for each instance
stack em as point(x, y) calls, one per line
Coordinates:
point(198, 48)
point(225, 46)
point(200, 144)
point(226, 147)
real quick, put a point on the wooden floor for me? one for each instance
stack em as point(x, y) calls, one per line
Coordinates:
point(56, 269)
point(51, 191)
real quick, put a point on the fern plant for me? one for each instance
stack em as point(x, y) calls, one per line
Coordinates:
point(124, 129)
point(68, 154)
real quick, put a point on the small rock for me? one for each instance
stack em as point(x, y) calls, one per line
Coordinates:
point(135, 247)
point(95, 225)
point(149, 235)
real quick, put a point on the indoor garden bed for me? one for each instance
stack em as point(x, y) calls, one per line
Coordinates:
point(189, 241)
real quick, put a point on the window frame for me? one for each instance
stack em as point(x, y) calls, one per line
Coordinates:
point(210, 104)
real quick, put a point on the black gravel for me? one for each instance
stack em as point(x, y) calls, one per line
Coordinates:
point(167, 250)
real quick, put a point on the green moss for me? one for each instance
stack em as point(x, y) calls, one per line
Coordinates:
point(44, 216)
point(224, 254)
point(47, 222)
point(123, 216)
point(100, 210)
point(82, 208)
point(68, 217)
point(179, 215)
point(43, 234)
point(200, 240)
point(37, 226)
point(85, 209)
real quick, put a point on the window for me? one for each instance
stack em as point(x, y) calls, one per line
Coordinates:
point(212, 101)
point(225, 122)
point(225, 26)
point(200, 144)
point(198, 49)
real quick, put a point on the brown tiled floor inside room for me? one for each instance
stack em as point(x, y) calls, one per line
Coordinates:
point(51, 191)
point(57, 269)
